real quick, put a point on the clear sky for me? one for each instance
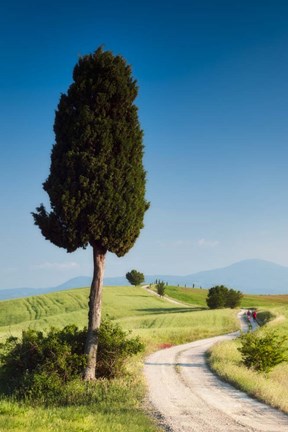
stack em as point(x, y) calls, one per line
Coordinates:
point(213, 106)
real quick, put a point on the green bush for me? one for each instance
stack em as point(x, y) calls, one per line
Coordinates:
point(114, 348)
point(220, 296)
point(262, 351)
point(39, 364)
point(233, 299)
point(135, 277)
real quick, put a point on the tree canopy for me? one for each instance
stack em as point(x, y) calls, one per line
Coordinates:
point(96, 184)
point(220, 296)
point(135, 277)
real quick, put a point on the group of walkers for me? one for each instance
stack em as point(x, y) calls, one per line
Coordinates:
point(251, 315)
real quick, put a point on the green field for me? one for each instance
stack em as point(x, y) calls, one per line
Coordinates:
point(118, 404)
point(155, 320)
point(197, 297)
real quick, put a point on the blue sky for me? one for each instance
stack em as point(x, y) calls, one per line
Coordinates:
point(213, 107)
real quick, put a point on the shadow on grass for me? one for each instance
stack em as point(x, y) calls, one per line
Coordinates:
point(156, 311)
point(137, 296)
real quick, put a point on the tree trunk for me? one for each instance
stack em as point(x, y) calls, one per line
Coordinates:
point(94, 314)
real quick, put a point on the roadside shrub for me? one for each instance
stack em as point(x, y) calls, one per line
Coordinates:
point(41, 364)
point(114, 348)
point(264, 316)
point(262, 351)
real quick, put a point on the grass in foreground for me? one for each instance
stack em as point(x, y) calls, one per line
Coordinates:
point(272, 387)
point(113, 406)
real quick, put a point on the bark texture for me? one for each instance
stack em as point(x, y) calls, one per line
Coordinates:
point(94, 314)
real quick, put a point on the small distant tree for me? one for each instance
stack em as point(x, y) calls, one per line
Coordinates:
point(233, 299)
point(216, 298)
point(161, 288)
point(220, 296)
point(135, 277)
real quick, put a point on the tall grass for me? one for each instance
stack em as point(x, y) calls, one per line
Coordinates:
point(108, 406)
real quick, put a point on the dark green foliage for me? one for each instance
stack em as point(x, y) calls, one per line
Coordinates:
point(263, 350)
point(263, 317)
point(114, 348)
point(40, 364)
point(97, 181)
point(233, 299)
point(216, 297)
point(220, 296)
point(160, 286)
point(135, 277)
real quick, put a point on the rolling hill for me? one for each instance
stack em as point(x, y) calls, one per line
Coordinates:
point(251, 276)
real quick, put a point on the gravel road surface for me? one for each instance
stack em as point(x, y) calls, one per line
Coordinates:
point(187, 397)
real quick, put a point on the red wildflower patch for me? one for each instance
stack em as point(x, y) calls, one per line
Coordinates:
point(165, 345)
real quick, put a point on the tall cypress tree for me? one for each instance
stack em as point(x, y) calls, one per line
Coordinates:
point(97, 181)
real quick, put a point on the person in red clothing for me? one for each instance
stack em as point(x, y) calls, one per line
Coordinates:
point(254, 315)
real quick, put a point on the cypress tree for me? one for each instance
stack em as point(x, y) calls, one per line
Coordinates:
point(97, 181)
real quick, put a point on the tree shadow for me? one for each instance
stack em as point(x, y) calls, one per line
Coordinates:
point(152, 311)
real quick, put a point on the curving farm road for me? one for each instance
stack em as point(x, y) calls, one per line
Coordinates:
point(188, 397)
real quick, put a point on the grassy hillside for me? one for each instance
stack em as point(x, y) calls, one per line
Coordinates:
point(66, 307)
point(117, 405)
point(197, 297)
point(155, 320)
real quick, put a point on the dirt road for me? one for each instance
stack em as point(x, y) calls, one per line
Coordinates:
point(188, 397)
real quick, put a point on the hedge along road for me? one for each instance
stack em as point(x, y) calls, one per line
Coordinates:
point(186, 396)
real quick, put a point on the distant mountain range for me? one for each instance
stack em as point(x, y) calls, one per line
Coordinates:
point(251, 276)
